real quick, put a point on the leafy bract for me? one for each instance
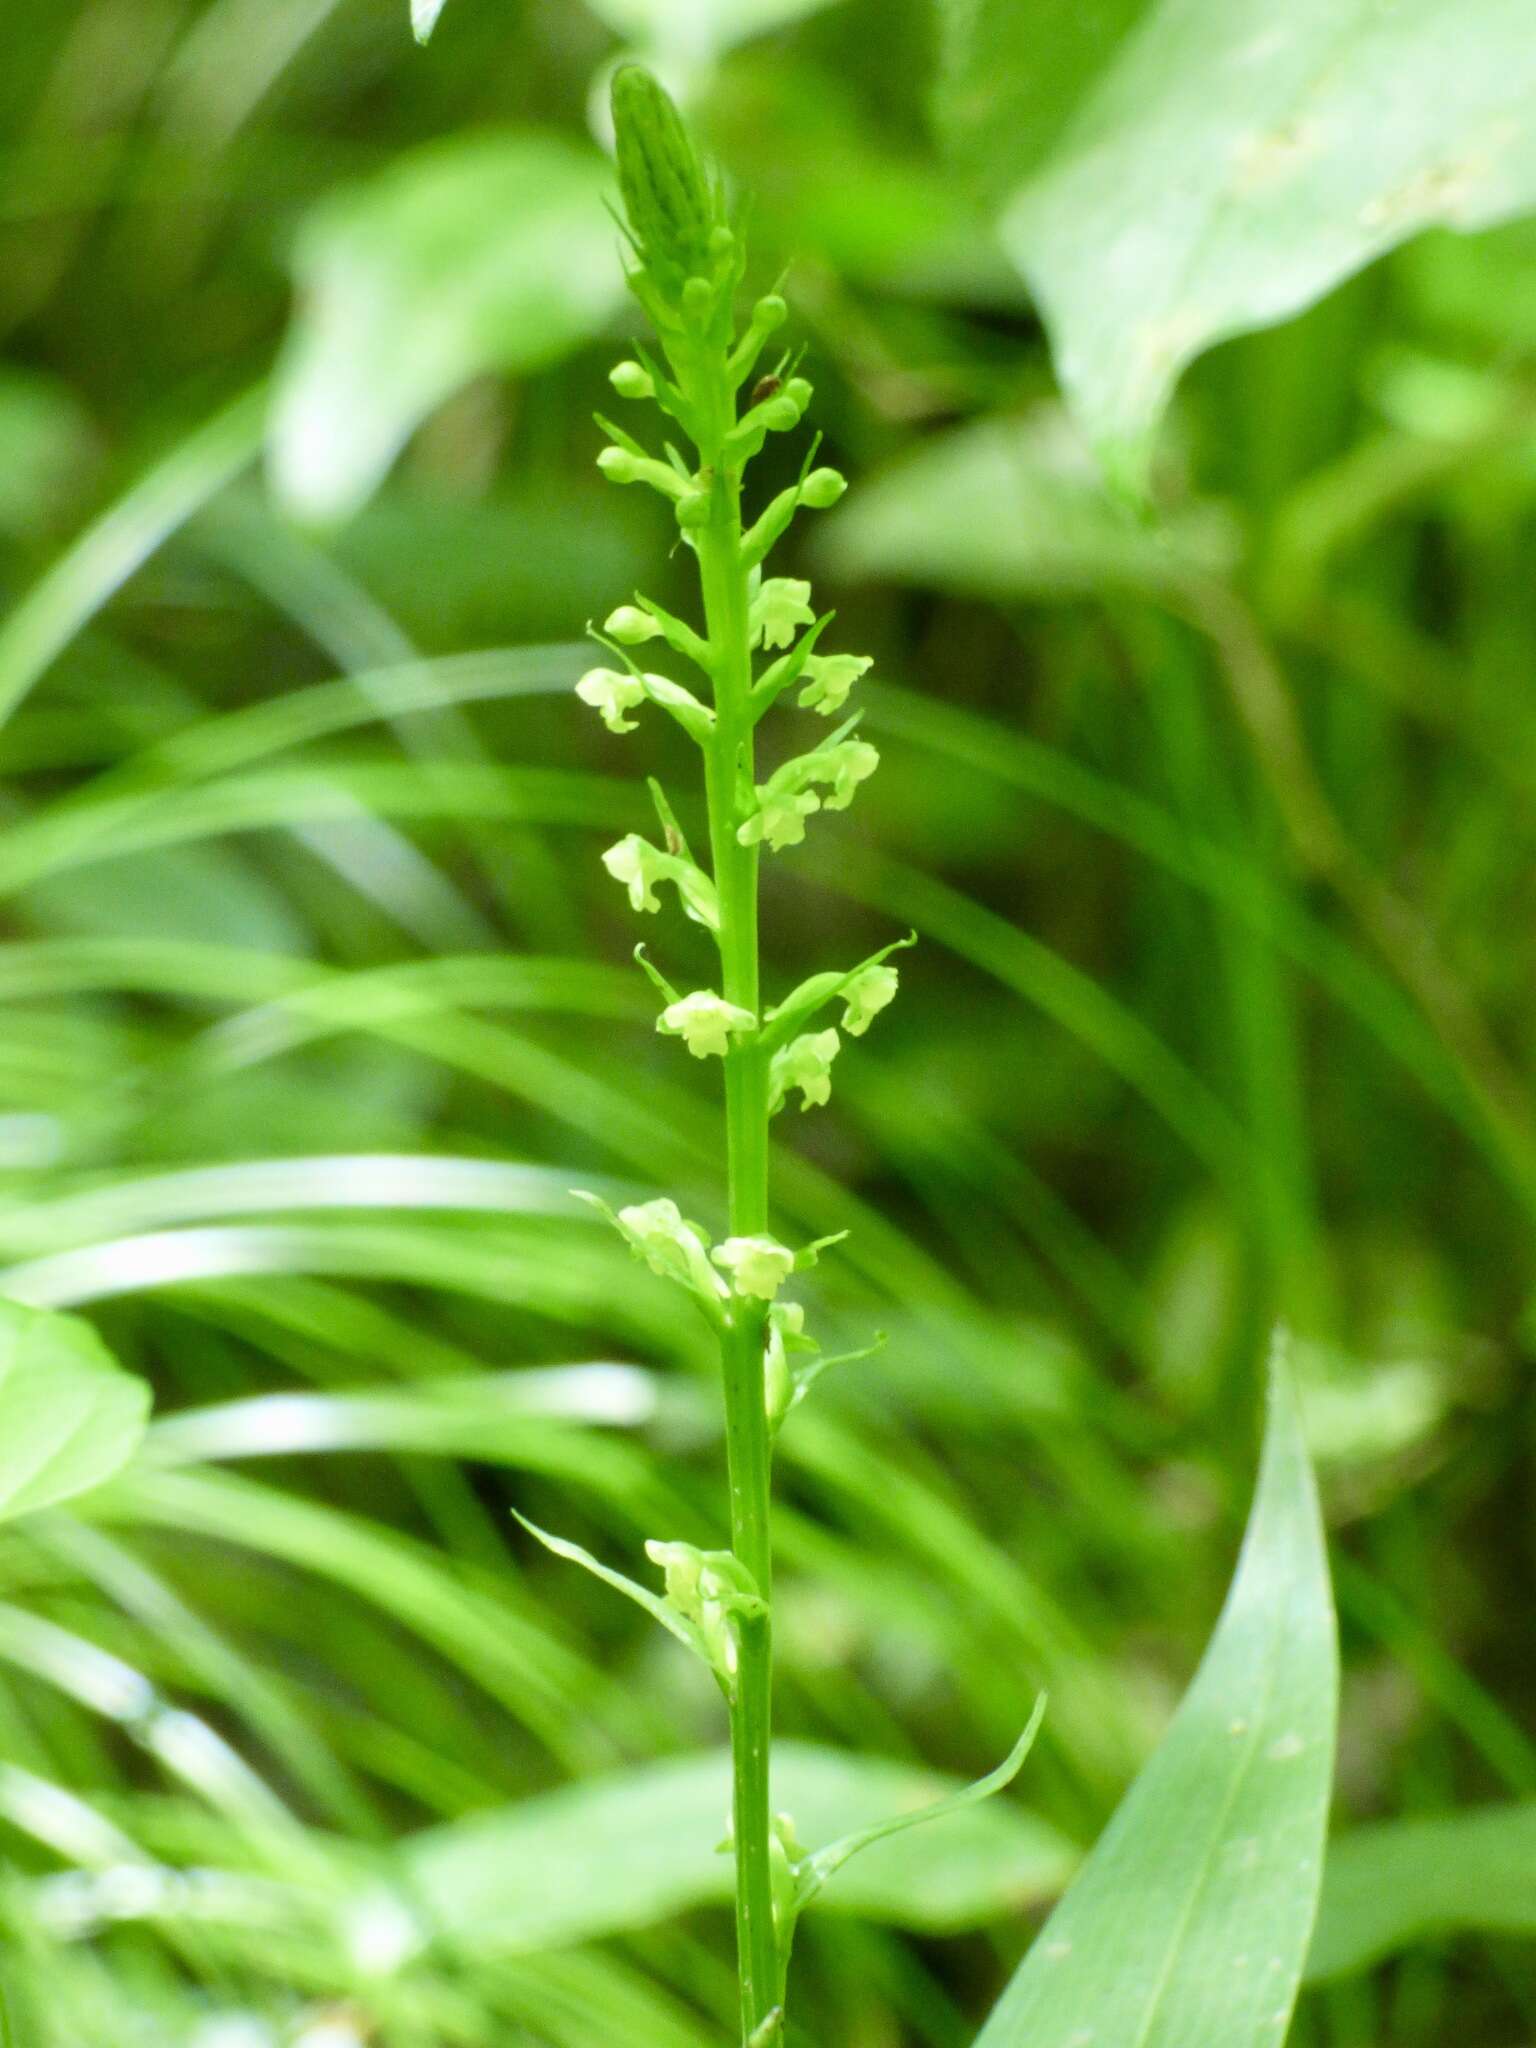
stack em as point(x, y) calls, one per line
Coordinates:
point(1390, 1885)
point(69, 1415)
point(1188, 1926)
point(490, 252)
point(632, 1848)
point(1228, 162)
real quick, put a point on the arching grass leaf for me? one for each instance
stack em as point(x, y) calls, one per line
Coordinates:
point(1388, 1886)
point(1188, 1926)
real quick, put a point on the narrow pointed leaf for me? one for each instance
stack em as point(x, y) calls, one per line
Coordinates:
point(1189, 1924)
point(824, 1863)
point(654, 1604)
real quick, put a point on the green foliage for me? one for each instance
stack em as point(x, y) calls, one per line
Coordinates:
point(69, 1417)
point(1404, 1882)
point(486, 253)
point(314, 1004)
point(634, 1849)
point(1189, 1925)
point(1223, 168)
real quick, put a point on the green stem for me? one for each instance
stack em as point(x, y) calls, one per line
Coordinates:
point(729, 786)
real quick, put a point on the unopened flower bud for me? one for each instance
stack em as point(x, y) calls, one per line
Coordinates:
point(780, 413)
point(618, 465)
point(823, 487)
point(698, 297)
point(800, 392)
point(769, 312)
point(693, 511)
point(631, 380)
point(672, 210)
point(631, 625)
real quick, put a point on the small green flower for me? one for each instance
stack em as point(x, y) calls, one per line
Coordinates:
point(640, 867)
point(632, 864)
point(866, 996)
point(780, 817)
point(829, 678)
point(705, 1022)
point(785, 1335)
point(710, 1590)
point(805, 1063)
point(851, 763)
point(670, 1245)
point(611, 692)
point(758, 1266)
point(781, 604)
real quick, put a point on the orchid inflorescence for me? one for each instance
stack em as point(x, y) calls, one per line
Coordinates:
point(761, 640)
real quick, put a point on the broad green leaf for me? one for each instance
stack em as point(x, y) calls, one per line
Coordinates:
point(1009, 507)
point(491, 252)
point(1188, 1926)
point(1012, 77)
point(424, 17)
point(698, 30)
point(1388, 1886)
point(1229, 162)
point(69, 1416)
point(634, 1848)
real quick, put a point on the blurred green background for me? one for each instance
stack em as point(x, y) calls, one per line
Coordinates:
point(1216, 824)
